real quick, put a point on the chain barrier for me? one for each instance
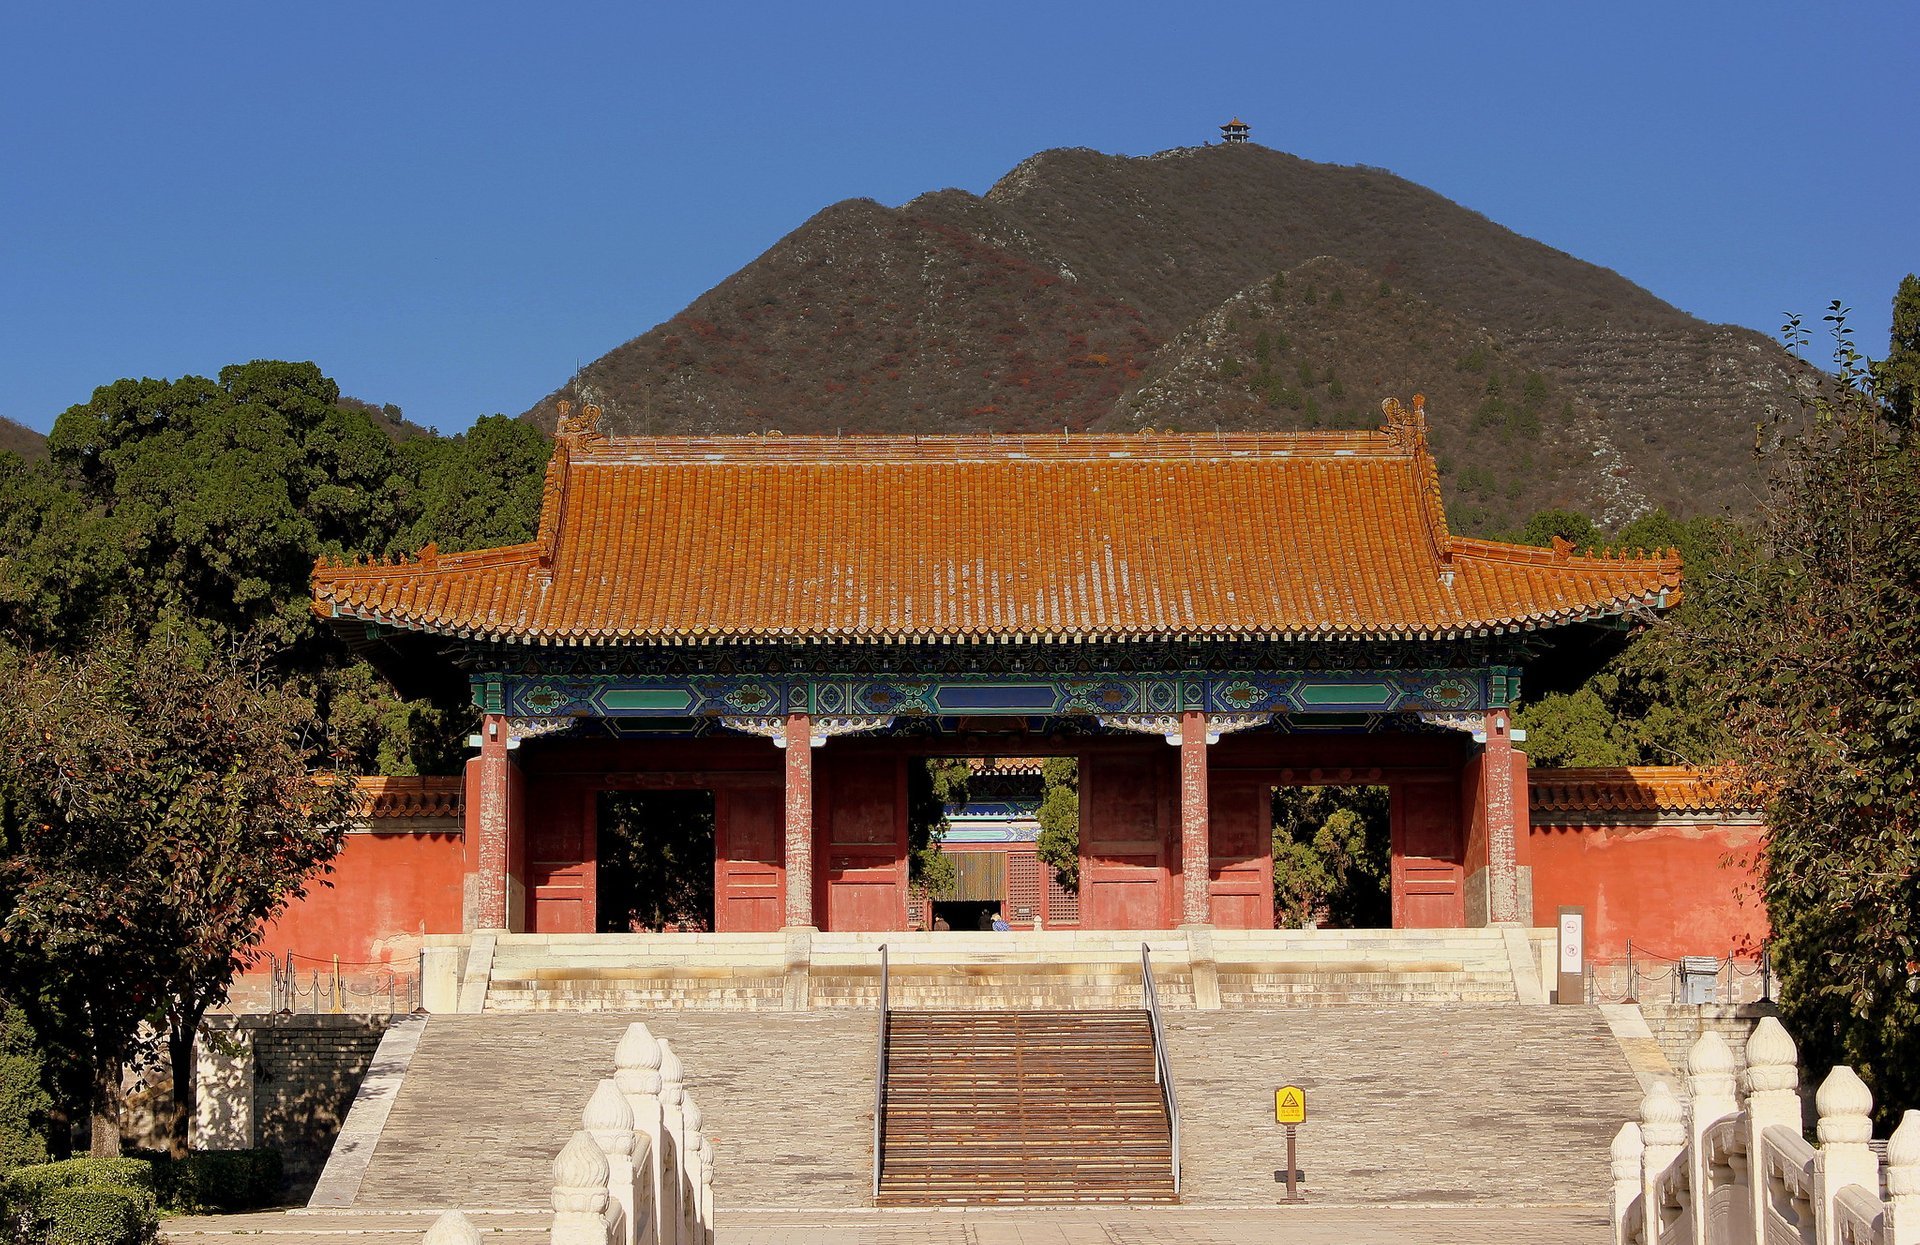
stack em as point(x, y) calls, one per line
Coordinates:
point(1647, 976)
point(328, 989)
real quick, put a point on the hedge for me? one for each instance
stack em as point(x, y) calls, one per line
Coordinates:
point(80, 1202)
point(216, 1180)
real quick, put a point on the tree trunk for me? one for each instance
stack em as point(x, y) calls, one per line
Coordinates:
point(106, 1110)
point(185, 1083)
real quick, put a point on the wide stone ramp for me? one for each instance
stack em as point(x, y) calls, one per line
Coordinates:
point(1406, 1104)
point(490, 1099)
point(1417, 1104)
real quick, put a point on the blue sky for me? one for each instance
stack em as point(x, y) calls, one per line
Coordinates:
point(449, 206)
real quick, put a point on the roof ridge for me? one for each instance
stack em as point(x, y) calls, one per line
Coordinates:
point(1408, 429)
point(1562, 555)
point(962, 447)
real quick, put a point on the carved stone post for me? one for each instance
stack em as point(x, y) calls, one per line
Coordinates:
point(580, 1200)
point(1627, 1152)
point(1903, 1182)
point(452, 1228)
point(637, 1072)
point(1845, 1105)
point(798, 741)
point(673, 1143)
point(692, 1227)
point(609, 1120)
point(1773, 1097)
point(1710, 1090)
point(1664, 1131)
point(706, 1191)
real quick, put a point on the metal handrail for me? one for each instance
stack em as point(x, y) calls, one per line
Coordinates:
point(880, 1076)
point(1162, 1069)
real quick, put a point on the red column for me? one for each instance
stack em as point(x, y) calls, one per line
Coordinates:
point(1503, 830)
point(489, 821)
point(799, 847)
point(1195, 867)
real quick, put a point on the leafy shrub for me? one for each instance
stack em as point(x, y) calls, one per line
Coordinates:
point(23, 1099)
point(98, 1215)
point(216, 1180)
point(80, 1202)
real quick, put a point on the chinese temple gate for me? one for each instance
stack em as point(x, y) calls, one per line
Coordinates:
point(790, 622)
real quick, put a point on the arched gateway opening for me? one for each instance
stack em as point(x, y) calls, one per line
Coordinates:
point(785, 623)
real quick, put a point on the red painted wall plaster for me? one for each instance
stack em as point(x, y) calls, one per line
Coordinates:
point(387, 890)
point(1673, 889)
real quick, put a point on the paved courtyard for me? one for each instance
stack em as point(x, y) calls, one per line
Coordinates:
point(1305, 1225)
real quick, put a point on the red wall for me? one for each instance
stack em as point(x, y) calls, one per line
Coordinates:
point(387, 890)
point(1674, 889)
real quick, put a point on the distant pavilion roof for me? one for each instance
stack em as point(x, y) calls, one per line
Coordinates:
point(1057, 538)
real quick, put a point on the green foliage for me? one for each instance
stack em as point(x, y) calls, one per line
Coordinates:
point(79, 1202)
point(1059, 817)
point(197, 507)
point(1332, 856)
point(932, 786)
point(1569, 525)
point(192, 807)
point(1338, 298)
point(24, 1101)
point(1474, 360)
point(1898, 376)
point(206, 1181)
point(99, 1215)
point(656, 860)
point(1816, 650)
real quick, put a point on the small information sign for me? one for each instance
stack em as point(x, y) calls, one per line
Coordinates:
point(1289, 1105)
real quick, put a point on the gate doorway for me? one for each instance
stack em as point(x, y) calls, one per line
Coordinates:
point(1332, 856)
point(654, 861)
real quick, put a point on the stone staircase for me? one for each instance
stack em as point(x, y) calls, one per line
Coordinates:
point(1427, 1103)
point(1054, 969)
point(1023, 1106)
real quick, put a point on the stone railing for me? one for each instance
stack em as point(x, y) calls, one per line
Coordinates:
point(1726, 1168)
point(638, 1172)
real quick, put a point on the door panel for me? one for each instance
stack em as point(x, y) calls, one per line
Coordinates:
point(863, 861)
point(1240, 852)
point(749, 882)
point(1428, 870)
point(559, 866)
point(1124, 823)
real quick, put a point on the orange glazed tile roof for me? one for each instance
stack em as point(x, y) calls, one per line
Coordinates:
point(1628, 789)
point(1282, 536)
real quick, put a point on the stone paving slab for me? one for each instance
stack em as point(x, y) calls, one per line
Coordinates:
point(1292, 1225)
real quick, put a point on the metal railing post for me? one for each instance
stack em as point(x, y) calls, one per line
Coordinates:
point(880, 1080)
point(1162, 1070)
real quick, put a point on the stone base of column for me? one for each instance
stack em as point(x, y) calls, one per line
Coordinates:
point(1206, 973)
point(799, 966)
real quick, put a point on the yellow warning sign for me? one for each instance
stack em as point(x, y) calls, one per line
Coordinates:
point(1289, 1105)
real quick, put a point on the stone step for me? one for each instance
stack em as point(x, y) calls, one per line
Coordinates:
point(1407, 1103)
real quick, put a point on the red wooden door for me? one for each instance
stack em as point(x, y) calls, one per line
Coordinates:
point(1428, 851)
point(1240, 850)
point(862, 849)
point(749, 867)
point(561, 820)
point(1124, 822)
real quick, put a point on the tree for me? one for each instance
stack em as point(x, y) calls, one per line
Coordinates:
point(1816, 649)
point(1898, 375)
point(1059, 818)
point(1568, 525)
point(1332, 854)
point(933, 785)
point(159, 804)
point(198, 507)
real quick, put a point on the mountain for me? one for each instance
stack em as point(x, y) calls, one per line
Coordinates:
point(21, 439)
point(1229, 286)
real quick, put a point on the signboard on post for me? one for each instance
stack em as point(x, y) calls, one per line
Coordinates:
point(1572, 983)
point(1290, 1109)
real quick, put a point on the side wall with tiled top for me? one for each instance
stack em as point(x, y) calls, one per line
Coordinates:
point(1674, 886)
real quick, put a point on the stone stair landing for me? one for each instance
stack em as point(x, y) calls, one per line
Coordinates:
point(1053, 969)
